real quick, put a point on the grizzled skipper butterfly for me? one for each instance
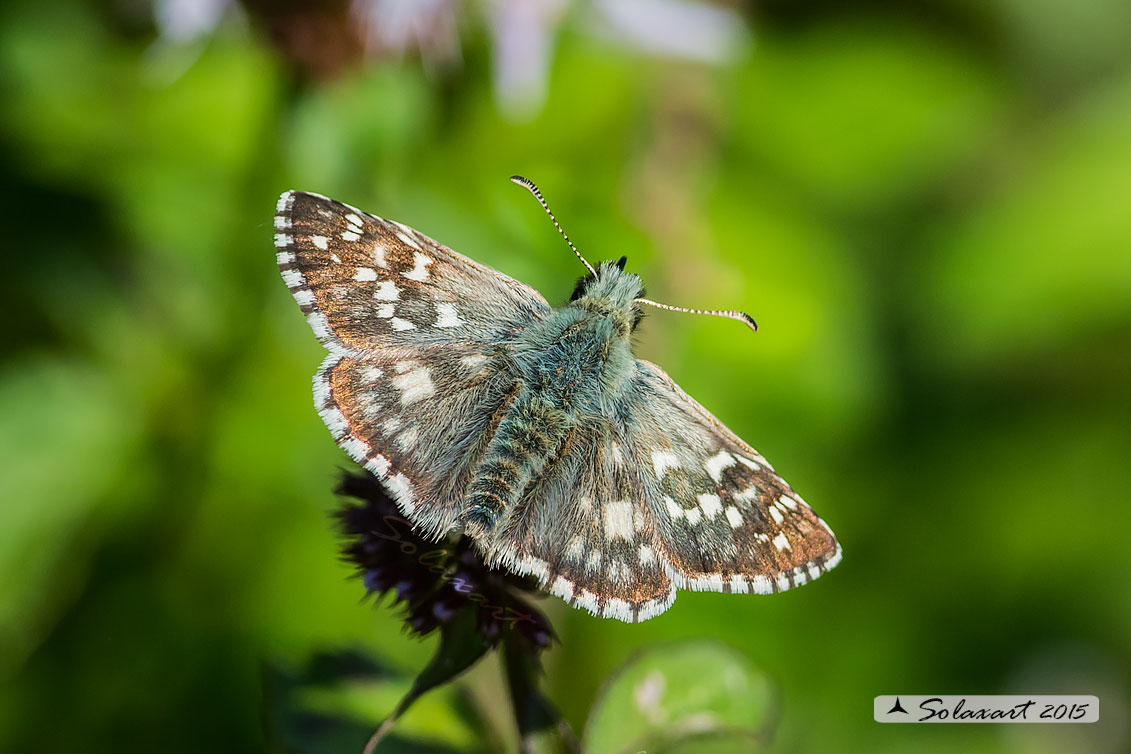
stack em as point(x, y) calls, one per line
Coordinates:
point(535, 430)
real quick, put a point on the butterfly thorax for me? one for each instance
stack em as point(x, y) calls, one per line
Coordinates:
point(571, 367)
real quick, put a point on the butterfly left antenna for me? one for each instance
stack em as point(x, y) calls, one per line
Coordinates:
point(742, 317)
point(529, 186)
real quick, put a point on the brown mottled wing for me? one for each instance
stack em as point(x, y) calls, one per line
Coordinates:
point(661, 495)
point(364, 282)
point(726, 521)
point(414, 376)
point(415, 422)
point(583, 530)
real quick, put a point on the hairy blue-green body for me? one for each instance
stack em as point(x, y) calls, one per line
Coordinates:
point(571, 367)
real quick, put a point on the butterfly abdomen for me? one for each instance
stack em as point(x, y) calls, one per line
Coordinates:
point(526, 438)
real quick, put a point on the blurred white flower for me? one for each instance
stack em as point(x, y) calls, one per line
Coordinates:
point(674, 28)
point(403, 26)
point(523, 33)
point(185, 21)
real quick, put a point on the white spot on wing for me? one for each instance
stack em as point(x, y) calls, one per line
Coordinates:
point(378, 465)
point(646, 555)
point(401, 324)
point(353, 219)
point(562, 587)
point(748, 495)
point(406, 440)
point(335, 420)
point(472, 361)
point(415, 385)
point(775, 514)
point(285, 257)
point(349, 235)
point(758, 462)
point(319, 324)
point(733, 517)
point(293, 278)
point(384, 311)
point(711, 505)
point(673, 508)
point(365, 275)
point(781, 542)
point(693, 515)
point(662, 460)
point(716, 464)
point(712, 582)
point(618, 520)
point(575, 548)
point(386, 290)
point(447, 316)
point(419, 272)
point(379, 256)
point(320, 241)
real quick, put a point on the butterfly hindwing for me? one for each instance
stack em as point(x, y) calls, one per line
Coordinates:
point(660, 496)
point(415, 418)
point(726, 521)
point(584, 531)
point(365, 282)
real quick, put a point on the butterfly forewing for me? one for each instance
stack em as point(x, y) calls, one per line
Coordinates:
point(365, 282)
point(410, 386)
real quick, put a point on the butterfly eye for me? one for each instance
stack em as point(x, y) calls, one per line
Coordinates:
point(637, 315)
point(579, 289)
point(621, 262)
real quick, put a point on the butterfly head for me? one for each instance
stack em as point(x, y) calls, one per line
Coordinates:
point(611, 291)
point(610, 287)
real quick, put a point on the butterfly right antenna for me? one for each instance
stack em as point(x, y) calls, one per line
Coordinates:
point(742, 317)
point(529, 186)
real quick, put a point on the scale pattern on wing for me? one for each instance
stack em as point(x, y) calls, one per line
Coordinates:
point(583, 530)
point(365, 282)
point(726, 521)
point(417, 419)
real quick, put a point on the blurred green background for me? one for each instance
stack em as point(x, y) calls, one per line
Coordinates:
point(926, 208)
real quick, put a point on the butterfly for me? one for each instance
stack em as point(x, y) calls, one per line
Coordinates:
point(535, 430)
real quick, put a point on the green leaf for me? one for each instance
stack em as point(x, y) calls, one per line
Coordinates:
point(461, 646)
point(541, 728)
point(693, 696)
